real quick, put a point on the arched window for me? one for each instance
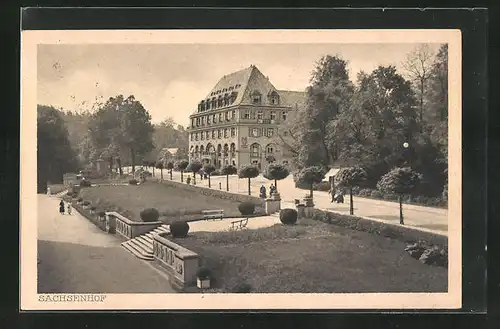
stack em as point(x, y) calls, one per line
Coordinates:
point(270, 149)
point(255, 150)
point(274, 98)
point(219, 148)
point(196, 149)
point(210, 148)
point(256, 97)
point(202, 149)
point(232, 147)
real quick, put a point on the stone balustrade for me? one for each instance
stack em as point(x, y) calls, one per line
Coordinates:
point(180, 263)
point(128, 228)
point(215, 193)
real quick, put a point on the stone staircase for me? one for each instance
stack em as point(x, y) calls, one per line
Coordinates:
point(142, 246)
point(60, 194)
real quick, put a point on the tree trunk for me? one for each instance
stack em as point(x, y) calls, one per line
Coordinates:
point(401, 219)
point(110, 165)
point(351, 204)
point(209, 185)
point(161, 173)
point(182, 176)
point(249, 186)
point(276, 185)
point(227, 183)
point(170, 174)
point(194, 178)
point(132, 160)
point(153, 171)
point(311, 190)
point(120, 169)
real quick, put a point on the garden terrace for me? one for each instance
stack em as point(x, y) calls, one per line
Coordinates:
point(172, 203)
point(312, 257)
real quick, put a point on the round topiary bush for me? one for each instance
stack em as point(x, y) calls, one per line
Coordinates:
point(246, 208)
point(132, 182)
point(288, 216)
point(79, 200)
point(179, 229)
point(86, 203)
point(85, 183)
point(74, 195)
point(242, 288)
point(101, 214)
point(149, 215)
point(93, 208)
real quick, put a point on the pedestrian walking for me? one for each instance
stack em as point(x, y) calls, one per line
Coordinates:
point(61, 207)
point(69, 208)
point(263, 192)
point(48, 190)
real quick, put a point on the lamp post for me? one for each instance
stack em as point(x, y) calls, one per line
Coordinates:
point(406, 149)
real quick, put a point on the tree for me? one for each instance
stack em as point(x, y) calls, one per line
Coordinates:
point(276, 172)
point(400, 181)
point(136, 128)
point(159, 165)
point(311, 175)
point(228, 170)
point(170, 166)
point(248, 172)
point(194, 167)
point(180, 165)
point(209, 169)
point(54, 153)
point(379, 120)
point(349, 178)
point(418, 65)
point(327, 96)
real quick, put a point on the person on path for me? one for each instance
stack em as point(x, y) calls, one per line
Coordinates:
point(332, 192)
point(272, 189)
point(48, 190)
point(263, 192)
point(69, 208)
point(61, 207)
point(188, 180)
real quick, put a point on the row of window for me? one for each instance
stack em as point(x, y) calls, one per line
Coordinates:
point(259, 115)
point(259, 132)
point(214, 118)
point(213, 134)
point(224, 90)
point(218, 102)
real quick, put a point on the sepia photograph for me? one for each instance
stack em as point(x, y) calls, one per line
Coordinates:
point(246, 169)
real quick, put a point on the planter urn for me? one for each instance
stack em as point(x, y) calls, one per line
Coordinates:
point(203, 283)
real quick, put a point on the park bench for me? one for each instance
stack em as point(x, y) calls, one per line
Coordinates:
point(213, 214)
point(239, 224)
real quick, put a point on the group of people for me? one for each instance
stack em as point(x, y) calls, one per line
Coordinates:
point(263, 191)
point(62, 208)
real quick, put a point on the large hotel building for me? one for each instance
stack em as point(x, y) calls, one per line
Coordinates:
point(239, 121)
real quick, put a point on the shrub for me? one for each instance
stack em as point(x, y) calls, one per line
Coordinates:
point(216, 173)
point(288, 216)
point(86, 203)
point(69, 194)
point(74, 195)
point(179, 229)
point(246, 208)
point(133, 182)
point(203, 273)
point(242, 288)
point(79, 200)
point(101, 214)
point(309, 176)
point(85, 183)
point(376, 194)
point(149, 215)
point(365, 192)
point(93, 208)
point(323, 186)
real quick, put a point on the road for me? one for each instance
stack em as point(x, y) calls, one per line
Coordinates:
point(76, 257)
point(430, 218)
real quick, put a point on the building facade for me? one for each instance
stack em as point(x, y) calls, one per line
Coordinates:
point(241, 121)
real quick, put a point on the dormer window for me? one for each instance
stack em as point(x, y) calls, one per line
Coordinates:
point(274, 98)
point(256, 97)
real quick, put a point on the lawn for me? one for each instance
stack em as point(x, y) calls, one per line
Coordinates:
point(312, 257)
point(172, 203)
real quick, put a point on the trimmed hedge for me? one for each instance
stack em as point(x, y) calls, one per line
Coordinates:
point(85, 183)
point(246, 208)
point(288, 216)
point(179, 229)
point(149, 215)
point(101, 214)
point(86, 203)
point(133, 182)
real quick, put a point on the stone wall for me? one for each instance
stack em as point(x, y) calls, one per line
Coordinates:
point(180, 263)
point(215, 193)
point(403, 233)
point(129, 229)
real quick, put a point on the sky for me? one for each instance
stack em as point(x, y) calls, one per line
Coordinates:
point(171, 79)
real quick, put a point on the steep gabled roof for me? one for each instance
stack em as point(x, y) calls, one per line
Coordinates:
point(294, 99)
point(233, 82)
